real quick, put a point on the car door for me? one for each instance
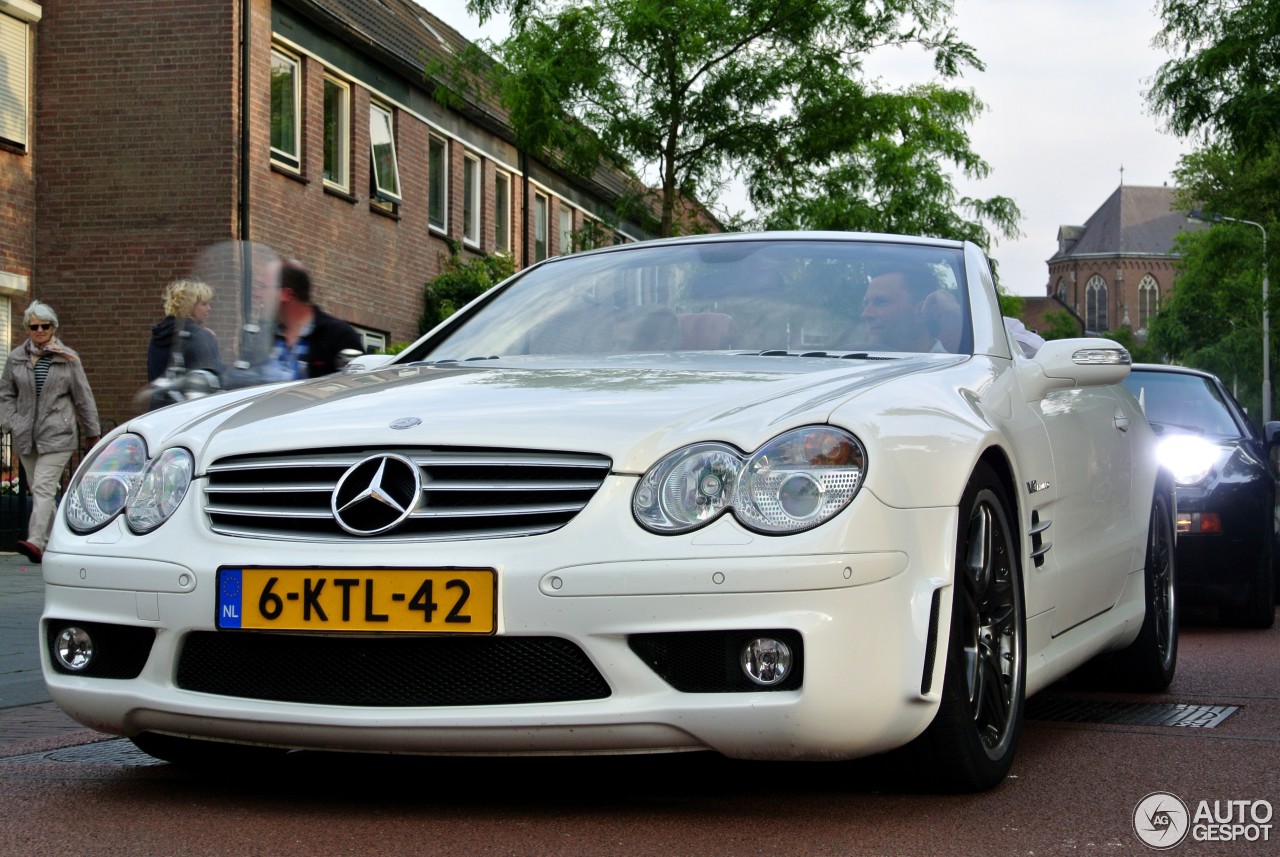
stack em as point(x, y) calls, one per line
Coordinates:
point(1094, 516)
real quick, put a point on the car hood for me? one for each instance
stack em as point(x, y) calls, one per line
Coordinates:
point(631, 409)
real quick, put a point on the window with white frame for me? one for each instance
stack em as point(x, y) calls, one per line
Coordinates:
point(375, 341)
point(286, 110)
point(502, 212)
point(438, 183)
point(15, 60)
point(1148, 301)
point(337, 133)
point(1095, 304)
point(471, 199)
point(540, 217)
point(384, 175)
point(566, 230)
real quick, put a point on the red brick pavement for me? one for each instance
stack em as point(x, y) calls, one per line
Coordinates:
point(45, 721)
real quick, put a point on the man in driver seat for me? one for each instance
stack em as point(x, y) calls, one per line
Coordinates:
point(907, 310)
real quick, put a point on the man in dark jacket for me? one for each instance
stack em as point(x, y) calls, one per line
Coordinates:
point(309, 341)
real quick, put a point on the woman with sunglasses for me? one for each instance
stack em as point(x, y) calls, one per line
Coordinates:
point(43, 395)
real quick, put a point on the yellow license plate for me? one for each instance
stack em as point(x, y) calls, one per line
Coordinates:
point(433, 601)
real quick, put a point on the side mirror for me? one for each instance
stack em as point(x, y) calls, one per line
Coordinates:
point(366, 362)
point(1062, 364)
point(199, 382)
point(345, 356)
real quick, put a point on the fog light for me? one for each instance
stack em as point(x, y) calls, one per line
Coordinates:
point(766, 661)
point(73, 648)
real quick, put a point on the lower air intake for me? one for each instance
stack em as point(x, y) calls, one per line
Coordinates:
point(388, 671)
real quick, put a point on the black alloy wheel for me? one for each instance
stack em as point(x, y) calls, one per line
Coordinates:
point(972, 740)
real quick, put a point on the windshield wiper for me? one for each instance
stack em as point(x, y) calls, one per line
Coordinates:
point(780, 352)
point(444, 360)
point(835, 355)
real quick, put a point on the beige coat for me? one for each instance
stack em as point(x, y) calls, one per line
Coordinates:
point(49, 426)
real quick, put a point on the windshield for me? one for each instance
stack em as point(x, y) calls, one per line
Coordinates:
point(785, 296)
point(1183, 403)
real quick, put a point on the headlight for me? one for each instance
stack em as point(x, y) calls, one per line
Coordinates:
point(795, 482)
point(800, 479)
point(689, 488)
point(118, 477)
point(1190, 459)
point(102, 486)
point(161, 489)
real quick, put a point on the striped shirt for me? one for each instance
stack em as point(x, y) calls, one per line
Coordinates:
point(42, 372)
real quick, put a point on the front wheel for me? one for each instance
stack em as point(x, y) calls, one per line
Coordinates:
point(970, 744)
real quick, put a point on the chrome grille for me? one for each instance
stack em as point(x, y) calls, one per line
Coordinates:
point(466, 493)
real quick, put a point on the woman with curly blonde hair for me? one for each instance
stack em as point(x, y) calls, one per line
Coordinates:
point(181, 340)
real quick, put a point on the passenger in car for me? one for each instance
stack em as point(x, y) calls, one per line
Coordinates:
point(647, 329)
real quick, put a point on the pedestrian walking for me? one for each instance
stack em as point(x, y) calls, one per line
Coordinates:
point(44, 394)
point(309, 341)
point(181, 339)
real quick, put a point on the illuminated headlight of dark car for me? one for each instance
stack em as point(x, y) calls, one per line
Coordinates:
point(1190, 459)
point(794, 482)
point(119, 477)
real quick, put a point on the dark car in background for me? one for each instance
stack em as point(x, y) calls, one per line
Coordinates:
point(1226, 491)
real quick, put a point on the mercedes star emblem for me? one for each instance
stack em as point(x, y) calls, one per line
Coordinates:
point(376, 494)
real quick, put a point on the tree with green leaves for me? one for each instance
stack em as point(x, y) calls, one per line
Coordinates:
point(1222, 87)
point(1213, 320)
point(460, 282)
point(1060, 324)
point(692, 93)
point(1223, 81)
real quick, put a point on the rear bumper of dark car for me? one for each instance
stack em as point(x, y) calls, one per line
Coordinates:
point(1216, 570)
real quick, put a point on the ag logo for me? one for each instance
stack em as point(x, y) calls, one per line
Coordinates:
point(1161, 820)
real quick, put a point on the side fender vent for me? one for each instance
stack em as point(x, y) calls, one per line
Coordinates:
point(931, 644)
point(1039, 545)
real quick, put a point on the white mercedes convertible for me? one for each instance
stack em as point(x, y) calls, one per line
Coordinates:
point(790, 496)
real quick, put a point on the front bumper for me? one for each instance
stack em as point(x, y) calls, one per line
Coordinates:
point(864, 617)
point(1219, 568)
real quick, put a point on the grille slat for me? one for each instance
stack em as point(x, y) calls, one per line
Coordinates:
point(493, 511)
point(463, 485)
point(286, 487)
point(319, 514)
point(466, 494)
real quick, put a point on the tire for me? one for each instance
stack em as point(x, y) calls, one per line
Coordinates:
point(208, 755)
point(1275, 568)
point(1148, 664)
point(971, 742)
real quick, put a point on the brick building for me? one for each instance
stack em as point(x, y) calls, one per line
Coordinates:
point(1115, 270)
point(151, 143)
point(17, 173)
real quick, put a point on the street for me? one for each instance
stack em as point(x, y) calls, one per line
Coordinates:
point(1075, 786)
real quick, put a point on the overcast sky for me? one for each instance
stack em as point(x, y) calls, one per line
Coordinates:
point(1064, 88)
